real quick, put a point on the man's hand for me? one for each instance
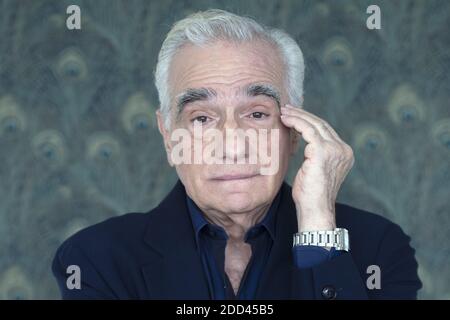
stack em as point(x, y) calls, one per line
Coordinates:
point(327, 161)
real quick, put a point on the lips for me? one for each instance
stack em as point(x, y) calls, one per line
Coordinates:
point(235, 176)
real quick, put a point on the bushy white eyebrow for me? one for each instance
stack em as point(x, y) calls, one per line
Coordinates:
point(268, 90)
point(193, 95)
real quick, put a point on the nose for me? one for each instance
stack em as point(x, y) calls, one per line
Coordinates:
point(235, 144)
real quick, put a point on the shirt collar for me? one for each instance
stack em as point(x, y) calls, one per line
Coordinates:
point(268, 222)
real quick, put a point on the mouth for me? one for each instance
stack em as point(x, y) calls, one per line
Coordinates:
point(232, 177)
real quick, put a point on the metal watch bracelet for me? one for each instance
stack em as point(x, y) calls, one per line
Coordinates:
point(337, 238)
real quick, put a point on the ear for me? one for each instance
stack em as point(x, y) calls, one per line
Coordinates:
point(165, 134)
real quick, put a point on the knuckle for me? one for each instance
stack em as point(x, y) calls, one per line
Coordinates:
point(349, 154)
point(349, 151)
point(330, 149)
point(311, 132)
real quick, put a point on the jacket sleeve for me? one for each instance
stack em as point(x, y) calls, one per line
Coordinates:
point(92, 286)
point(398, 265)
point(340, 278)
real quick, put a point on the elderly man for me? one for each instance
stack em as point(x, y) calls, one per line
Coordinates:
point(229, 229)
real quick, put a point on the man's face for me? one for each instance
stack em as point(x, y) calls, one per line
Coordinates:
point(226, 86)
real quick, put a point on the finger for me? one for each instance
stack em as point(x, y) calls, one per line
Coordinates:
point(325, 123)
point(322, 125)
point(325, 135)
point(308, 131)
point(319, 125)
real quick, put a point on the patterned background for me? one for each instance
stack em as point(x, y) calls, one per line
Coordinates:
point(79, 144)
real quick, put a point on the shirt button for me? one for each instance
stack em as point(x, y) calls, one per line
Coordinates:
point(329, 293)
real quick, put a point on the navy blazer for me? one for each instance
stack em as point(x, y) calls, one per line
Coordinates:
point(153, 256)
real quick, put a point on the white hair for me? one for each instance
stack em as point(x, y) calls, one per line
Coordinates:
point(211, 25)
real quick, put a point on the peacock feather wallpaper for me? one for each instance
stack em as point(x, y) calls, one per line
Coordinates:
point(79, 141)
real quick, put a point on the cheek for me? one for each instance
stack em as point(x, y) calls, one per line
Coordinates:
point(188, 175)
point(284, 143)
point(191, 171)
point(192, 177)
point(285, 149)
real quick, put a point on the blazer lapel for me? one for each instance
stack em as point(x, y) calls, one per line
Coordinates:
point(174, 268)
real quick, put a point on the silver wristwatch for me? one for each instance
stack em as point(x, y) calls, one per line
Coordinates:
point(337, 238)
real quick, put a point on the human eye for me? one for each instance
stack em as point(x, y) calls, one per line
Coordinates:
point(201, 119)
point(258, 115)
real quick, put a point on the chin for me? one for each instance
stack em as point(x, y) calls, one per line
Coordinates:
point(238, 202)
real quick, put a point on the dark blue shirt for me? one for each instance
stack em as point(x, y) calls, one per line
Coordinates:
point(212, 239)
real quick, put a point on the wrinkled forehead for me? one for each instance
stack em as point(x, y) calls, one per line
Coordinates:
point(226, 68)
